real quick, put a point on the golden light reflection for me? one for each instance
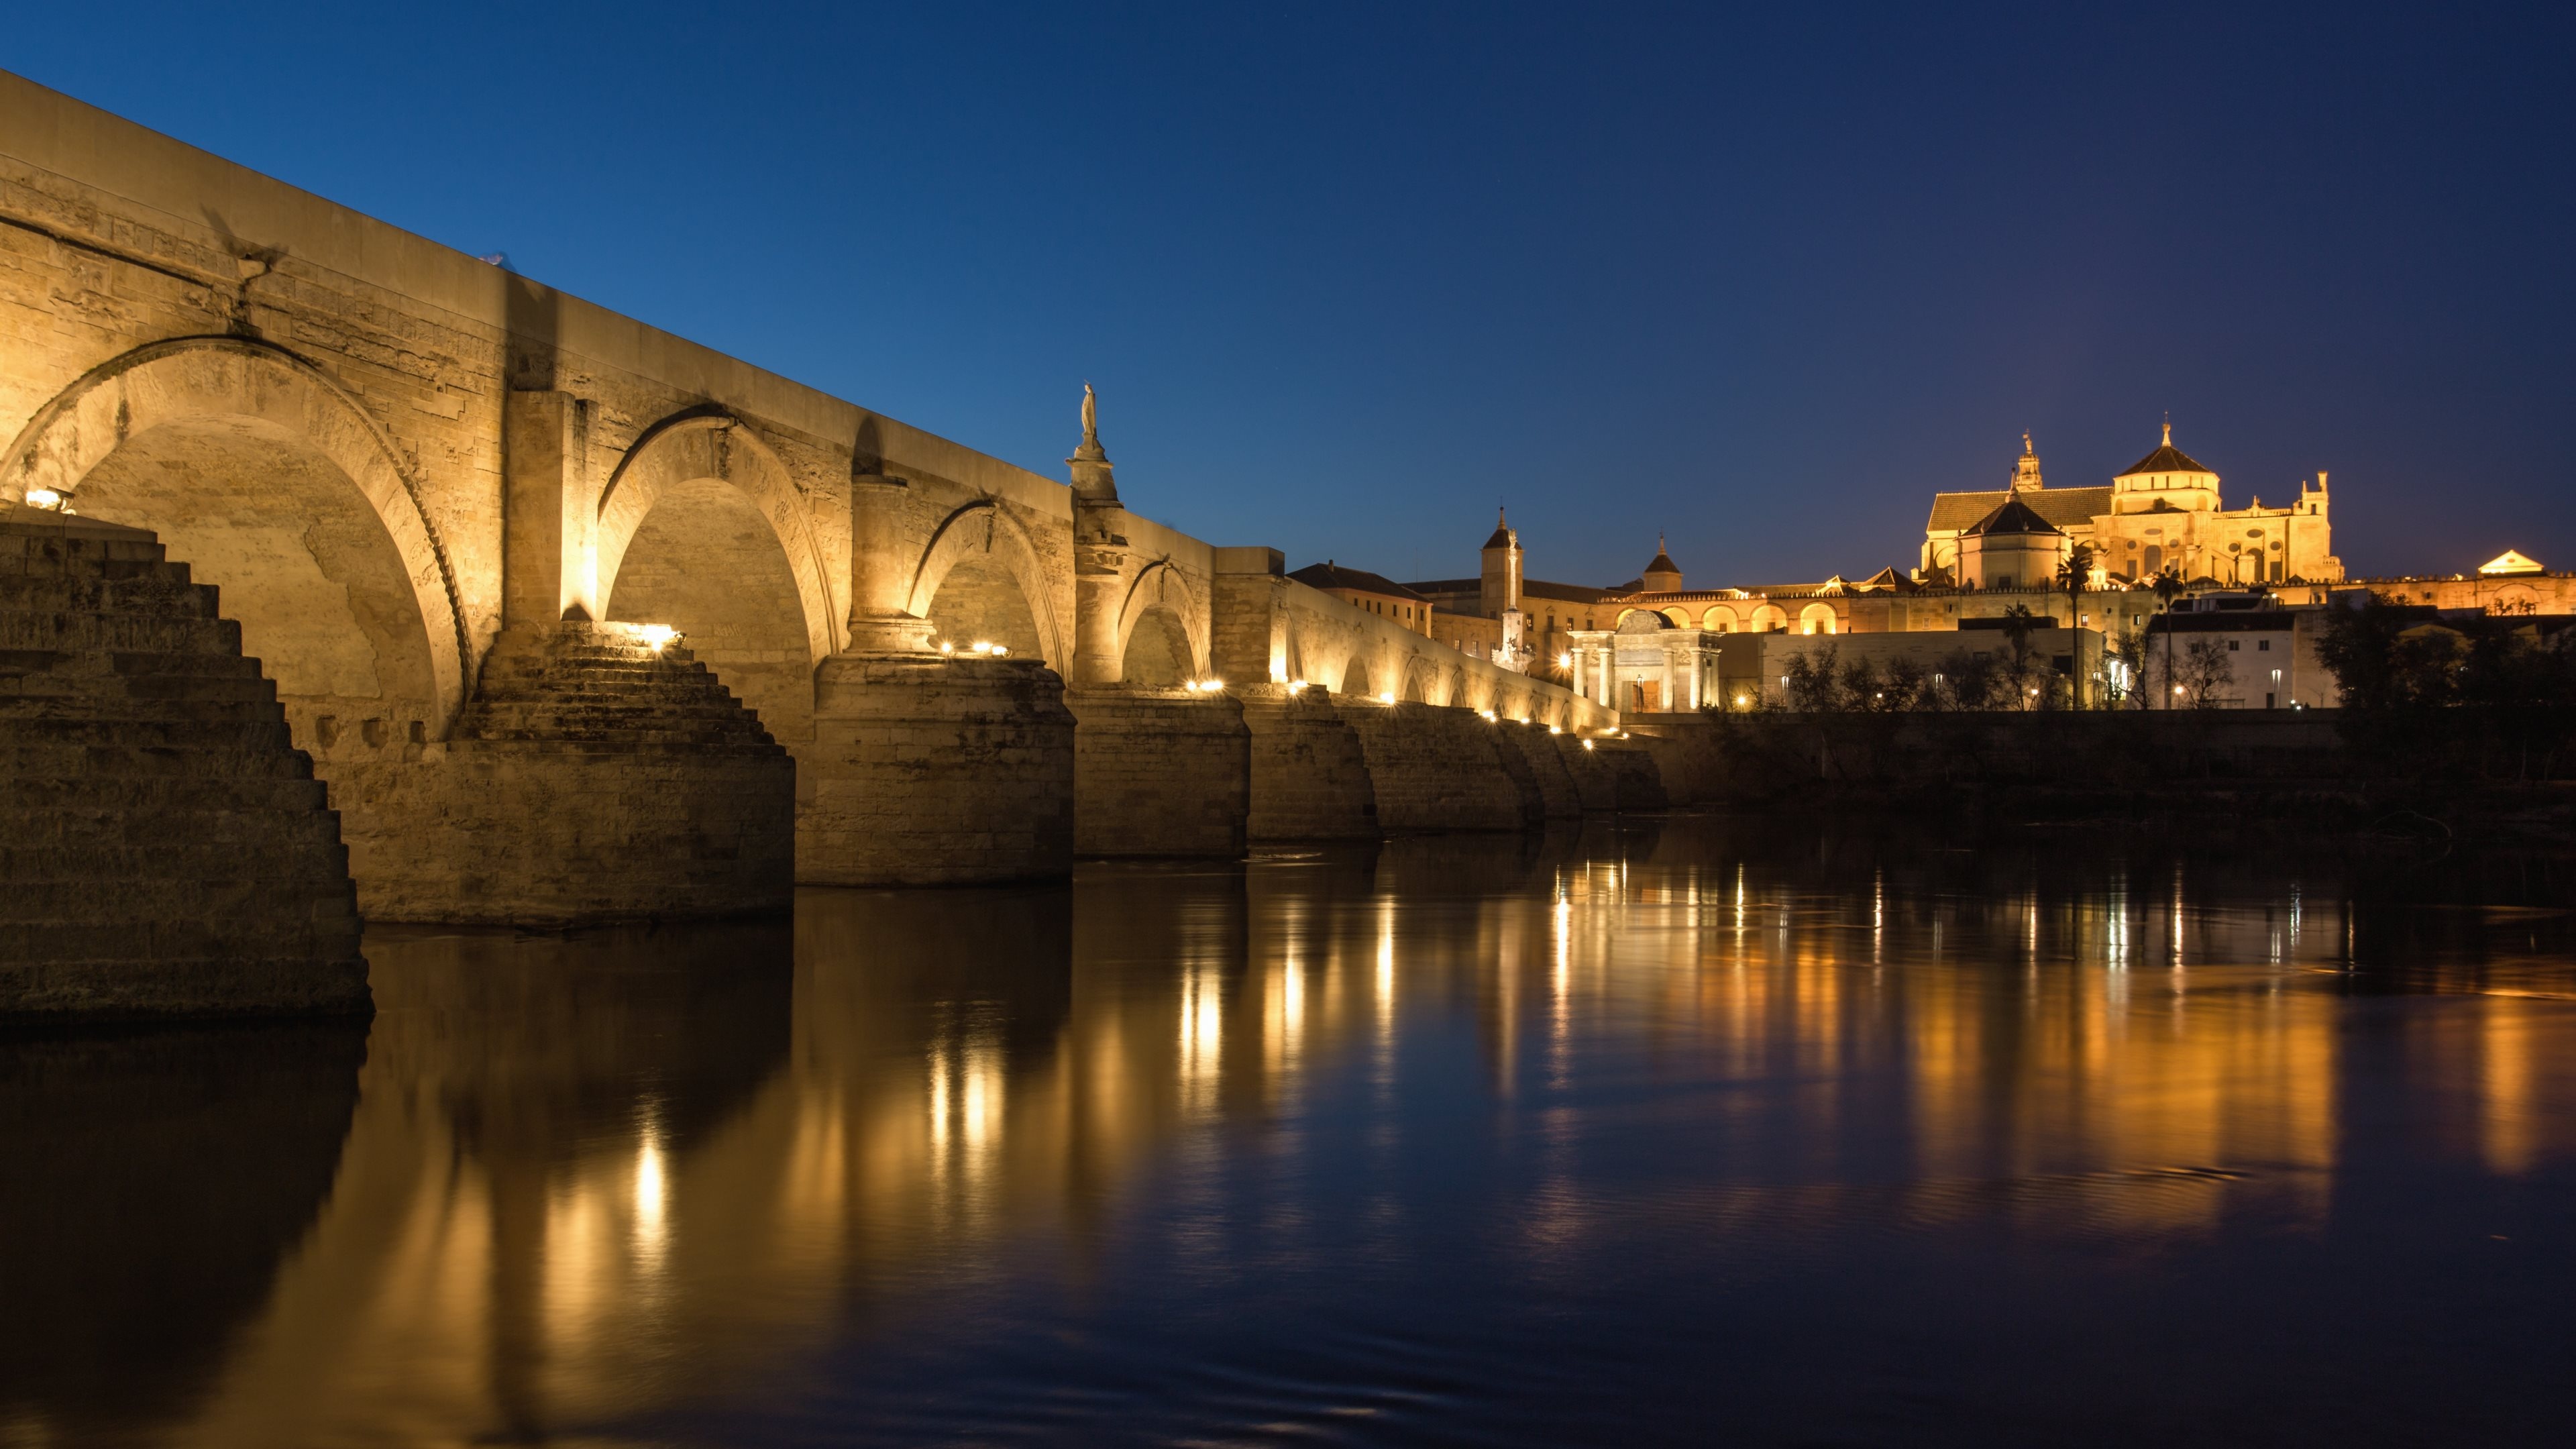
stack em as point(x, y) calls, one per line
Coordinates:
point(1202, 1038)
point(533, 1220)
point(2507, 1125)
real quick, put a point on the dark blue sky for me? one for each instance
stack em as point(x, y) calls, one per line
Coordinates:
point(1347, 277)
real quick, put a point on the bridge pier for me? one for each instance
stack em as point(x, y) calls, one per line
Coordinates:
point(1548, 789)
point(1434, 768)
point(168, 851)
point(1159, 772)
point(1309, 776)
point(928, 769)
point(593, 778)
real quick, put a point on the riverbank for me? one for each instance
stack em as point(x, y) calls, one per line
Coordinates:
point(2263, 771)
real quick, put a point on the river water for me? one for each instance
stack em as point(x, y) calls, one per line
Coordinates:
point(1681, 1131)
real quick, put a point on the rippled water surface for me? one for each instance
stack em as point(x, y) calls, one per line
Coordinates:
point(1693, 1131)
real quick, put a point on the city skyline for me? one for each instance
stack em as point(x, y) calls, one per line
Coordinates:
point(1762, 317)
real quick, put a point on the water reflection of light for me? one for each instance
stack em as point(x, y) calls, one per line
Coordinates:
point(2173, 929)
point(413, 1289)
point(2505, 1121)
point(939, 1112)
point(652, 1192)
point(980, 1107)
point(1878, 918)
point(2115, 938)
point(1202, 1037)
point(1386, 957)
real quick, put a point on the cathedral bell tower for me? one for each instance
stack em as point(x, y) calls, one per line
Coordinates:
point(2025, 478)
point(1500, 590)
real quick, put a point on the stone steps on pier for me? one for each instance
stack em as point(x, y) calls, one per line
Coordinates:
point(168, 850)
point(590, 778)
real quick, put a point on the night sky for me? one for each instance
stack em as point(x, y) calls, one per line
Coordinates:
point(1348, 277)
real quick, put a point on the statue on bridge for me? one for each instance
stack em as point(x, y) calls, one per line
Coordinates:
point(1090, 420)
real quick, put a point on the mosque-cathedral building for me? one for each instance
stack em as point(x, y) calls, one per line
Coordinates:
point(2258, 573)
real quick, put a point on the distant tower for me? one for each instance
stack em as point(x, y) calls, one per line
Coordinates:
point(1501, 591)
point(2025, 478)
point(1661, 576)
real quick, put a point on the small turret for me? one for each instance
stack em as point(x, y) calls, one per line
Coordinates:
point(1500, 584)
point(1661, 576)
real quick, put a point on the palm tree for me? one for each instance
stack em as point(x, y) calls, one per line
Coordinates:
point(2018, 622)
point(2168, 583)
point(2073, 573)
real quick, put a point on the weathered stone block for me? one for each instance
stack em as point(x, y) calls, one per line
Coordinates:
point(1309, 774)
point(167, 851)
point(1159, 772)
point(593, 779)
point(935, 770)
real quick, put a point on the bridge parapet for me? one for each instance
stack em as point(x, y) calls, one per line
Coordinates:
point(395, 460)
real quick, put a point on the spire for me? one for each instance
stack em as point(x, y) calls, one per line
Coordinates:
point(2168, 430)
point(1502, 536)
point(1661, 575)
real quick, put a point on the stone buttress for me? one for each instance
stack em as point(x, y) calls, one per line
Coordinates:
point(1309, 775)
point(595, 777)
point(1435, 768)
point(1159, 772)
point(167, 849)
point(927, 769)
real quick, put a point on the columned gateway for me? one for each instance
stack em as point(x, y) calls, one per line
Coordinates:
point(578, 621)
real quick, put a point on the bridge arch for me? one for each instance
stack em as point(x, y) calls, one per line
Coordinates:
point(701, 527)
point(980, 577)
point(1159, 642)
point(1357, 680)
point(1421, 679)
point(276, 485)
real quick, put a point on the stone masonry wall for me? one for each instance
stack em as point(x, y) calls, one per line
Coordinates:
point(1434, 768)
point(166, 851)
point(1310, 777)
point(936, 772)
point(594, 779)
point(1159, 772)
point(1558, 799)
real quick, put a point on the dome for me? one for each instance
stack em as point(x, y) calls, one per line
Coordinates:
point(2011, 516)
point(2166, 459)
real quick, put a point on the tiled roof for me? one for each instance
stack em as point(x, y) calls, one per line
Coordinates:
point(1329, 576)
point(2062, 507)
point(2011, 516)
point(1572, 593)
point(2167, 459)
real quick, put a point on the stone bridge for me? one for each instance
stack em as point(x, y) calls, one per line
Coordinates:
point(458, 517)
